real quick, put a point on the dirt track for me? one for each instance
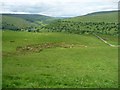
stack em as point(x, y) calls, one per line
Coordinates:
point(106, 41)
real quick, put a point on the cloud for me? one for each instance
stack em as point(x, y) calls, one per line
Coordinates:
point(57, 8)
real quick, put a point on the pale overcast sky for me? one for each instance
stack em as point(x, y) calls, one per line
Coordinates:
point(57, 8)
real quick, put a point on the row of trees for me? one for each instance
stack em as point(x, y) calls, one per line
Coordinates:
point(83, 27)
point(70, 26)
point(10, 26)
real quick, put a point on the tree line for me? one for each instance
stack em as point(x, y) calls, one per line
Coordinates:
point(83, 27)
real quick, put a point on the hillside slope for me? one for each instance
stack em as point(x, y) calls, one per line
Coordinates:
point(102, 23)
point(33, 18)
point(107, 16)
point(9, 22)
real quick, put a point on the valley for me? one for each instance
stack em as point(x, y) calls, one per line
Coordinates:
point(47, 52)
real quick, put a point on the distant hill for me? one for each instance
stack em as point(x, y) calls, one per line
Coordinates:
point(19, 21)
point(33, 17)
point(10, 22)
point(100, 22)
point(104, 16)
point(102, 12)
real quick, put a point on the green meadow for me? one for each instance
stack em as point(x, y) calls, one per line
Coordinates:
point(58, 60)
point(51, 52)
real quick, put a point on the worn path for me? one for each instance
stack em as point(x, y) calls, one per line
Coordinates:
point(106, 41)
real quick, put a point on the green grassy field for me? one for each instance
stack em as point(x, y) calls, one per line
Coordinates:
point(58, 60)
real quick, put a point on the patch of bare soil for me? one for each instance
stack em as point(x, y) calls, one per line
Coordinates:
point(38, 48)
point(41, 47)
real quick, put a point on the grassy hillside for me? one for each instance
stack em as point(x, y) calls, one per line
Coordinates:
point(108, 16)
point(33, 18)
point(24, 21)
point(100, 23)
point(57, 60)
point(9, 22)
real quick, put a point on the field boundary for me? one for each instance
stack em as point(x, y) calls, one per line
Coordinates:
point(106, 41)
